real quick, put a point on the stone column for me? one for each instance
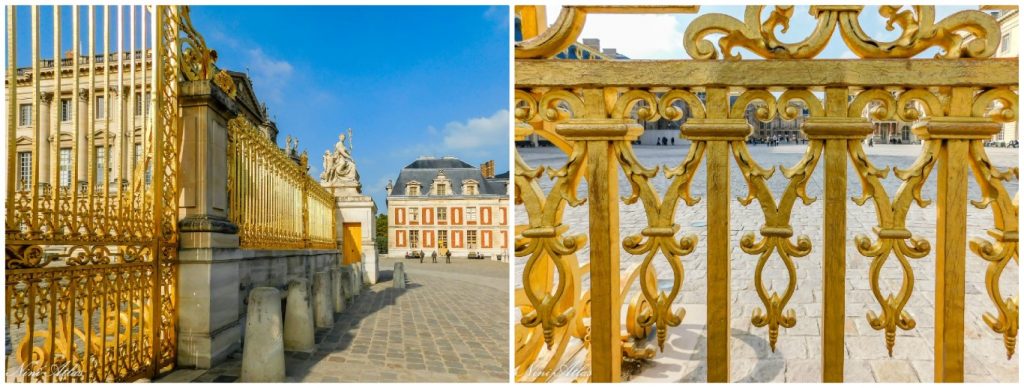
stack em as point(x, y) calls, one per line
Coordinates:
point(82, 135)
point(43, 137)
point(209, 326)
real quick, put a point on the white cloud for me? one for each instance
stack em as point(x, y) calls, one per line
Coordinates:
point(270, 76)
point(476, 133)
point(497, 14)
point(646, 37)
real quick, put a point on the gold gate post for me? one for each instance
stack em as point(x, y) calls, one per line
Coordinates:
point(955, 132)
point(599, 135)
point(836, 130)
point(717, 130)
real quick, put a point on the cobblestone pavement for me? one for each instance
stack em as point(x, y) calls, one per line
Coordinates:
point(449, 325)
point(799, 350)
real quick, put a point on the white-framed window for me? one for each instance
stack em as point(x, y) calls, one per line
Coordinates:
point(471, 214)
point(414, 239)
point(65, 167)
point(471, 239)
point(414, 214)
point(65, 110)
point(442, 214)
point(137, 158)
point(101, 107)
point(142, 100)
point(1004, 43)
point(101, 164)
point(442, 189)
point(412, 189)
point(442, 239)
point(24, 169)
point(24, 115)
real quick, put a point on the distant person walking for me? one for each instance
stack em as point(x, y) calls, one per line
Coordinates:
point(433, 256)
point(448, 256)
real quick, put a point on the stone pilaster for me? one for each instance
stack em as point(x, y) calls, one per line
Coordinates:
point(82, 134)
point(354, 208)
point(208, 278)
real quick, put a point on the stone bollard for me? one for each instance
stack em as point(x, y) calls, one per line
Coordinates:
point(354, 283)
point(337, 296)
point(323, 309)
point(298, 318)
point(398, 276)
point(263, 353)
point(346, 281)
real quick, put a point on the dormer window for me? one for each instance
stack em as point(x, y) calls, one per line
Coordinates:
point(412, 188)
point(442, 185)
point(470, 187)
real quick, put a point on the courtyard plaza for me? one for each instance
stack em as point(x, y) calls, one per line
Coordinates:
point(450, 324)
point(798, 354)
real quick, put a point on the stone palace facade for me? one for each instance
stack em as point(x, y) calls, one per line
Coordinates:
point(446, 203)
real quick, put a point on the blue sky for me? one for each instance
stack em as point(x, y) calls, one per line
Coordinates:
point(408, 80)
point(661, 36)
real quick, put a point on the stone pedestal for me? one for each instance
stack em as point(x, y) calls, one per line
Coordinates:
point(354, 208)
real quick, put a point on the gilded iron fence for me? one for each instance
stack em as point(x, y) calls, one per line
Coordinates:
point(590, 110)
point(92, 206)
point(275, 204)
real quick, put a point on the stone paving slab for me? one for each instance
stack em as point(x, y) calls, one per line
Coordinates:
point(799, 354)
point(438, 329)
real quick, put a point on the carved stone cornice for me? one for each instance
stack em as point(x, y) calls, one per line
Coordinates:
point(207, 223)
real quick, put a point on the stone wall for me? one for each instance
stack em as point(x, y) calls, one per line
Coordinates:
point(215, 275)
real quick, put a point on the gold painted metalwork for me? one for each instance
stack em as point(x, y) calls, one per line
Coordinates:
point(956, 101)
point(224, 81)
point(272, 200)
point(919, 33)
point(91, 265)
point(1004, 212)
point(776, 231)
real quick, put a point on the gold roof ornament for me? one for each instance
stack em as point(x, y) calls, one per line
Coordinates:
point(224, 81)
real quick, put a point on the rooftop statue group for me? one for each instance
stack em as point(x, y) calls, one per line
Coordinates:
point(339, 167)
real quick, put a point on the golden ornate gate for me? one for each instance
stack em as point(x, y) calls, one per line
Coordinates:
point(590, 110)
point(92, 191)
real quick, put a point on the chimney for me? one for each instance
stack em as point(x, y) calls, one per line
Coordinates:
point(487, 169)
point(593, 42)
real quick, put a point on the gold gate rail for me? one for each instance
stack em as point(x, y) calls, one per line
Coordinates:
point(589, 109)
point(275, 204)
point(91, 240)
